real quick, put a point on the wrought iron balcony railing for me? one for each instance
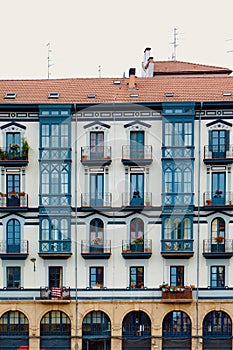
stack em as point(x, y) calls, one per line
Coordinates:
point(137, 155)
point(215, 246)
point(137, 246)
point(13, 199)
point(136, 198)
point(58, 293)
point(13, 155)
point(94, 154)
point(100, 249)
point(177, 198)
point(13, 247)
point(218, 198)
point(98, 199)
point(218, 152)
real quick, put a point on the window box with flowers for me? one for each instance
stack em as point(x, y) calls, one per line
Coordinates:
point(138, 244)
point(176, 292)
point(97, 245)
point(219, 239)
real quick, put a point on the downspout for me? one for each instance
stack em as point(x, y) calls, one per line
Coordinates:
point(76, 230)
point(198, 222)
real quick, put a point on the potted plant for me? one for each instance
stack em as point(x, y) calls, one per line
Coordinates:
point(148, 201)
point(25, 148)
point(219, 239)
point(14, 146)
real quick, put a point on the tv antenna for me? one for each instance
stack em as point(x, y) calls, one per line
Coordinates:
point(174, 43)
point(49, 60)
point(99, 71)
point(229, 51)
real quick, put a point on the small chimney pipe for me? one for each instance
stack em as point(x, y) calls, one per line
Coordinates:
point(132, 84)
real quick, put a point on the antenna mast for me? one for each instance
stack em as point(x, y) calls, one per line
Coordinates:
point(99, 70)
point(49, 60)
point(174, 43)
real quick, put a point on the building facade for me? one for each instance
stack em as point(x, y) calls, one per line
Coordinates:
point(116, 211)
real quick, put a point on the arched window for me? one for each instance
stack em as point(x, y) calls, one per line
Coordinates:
point(136, 331)
point(64, 229)
point(136, 229)
point(217, 331)
point(187, 229)
point(168, 228)
point(218, 230)
point(13, 236)
point(96, 329)
point(45, 229)
point(177, 330)
point(55, 329)
point(14, 330)
point(97, 232)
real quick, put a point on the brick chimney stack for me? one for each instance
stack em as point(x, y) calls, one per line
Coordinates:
point(132, 83)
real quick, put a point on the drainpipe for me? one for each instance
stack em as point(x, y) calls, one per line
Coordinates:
point(198, 221)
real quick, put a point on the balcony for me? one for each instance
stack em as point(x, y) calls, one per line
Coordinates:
point(137, 155)
point(217, 199)
point(13, 157)
point(177, 198)
point(213, 249)
point(14, 201)
point(49, 249)
point(177, 248)
point(177, 152)
point(137, 250)
point(14, 250)
point(137, 199)
point(218, 154)
point(62, 293)
point(96, 200)
point(96, 155)
point(96, 251)
point(177, 294)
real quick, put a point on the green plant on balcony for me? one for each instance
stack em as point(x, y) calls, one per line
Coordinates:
point(219, 239)
point(138, 240)
point(25, 147)
point(14, 146)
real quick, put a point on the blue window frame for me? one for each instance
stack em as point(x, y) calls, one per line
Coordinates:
point(136, 276)
point(55, 178)
point(55, 329)
point(55, 135)
point(96, 276)
point(218, 188)
point(55, 277)
point(178, 182)
point(217, 276)
point(14, 330)
point(13, 236)
point(219, 143)
point(12, 138)
point(96, 235)
point(97, 145)
point(13, 188)
point(217, 324)
point(136, 189)
point(136, 324)
point(177, 275)
point(97, 190)
point(95, 324)
point(177, 324)
point(13, 277)
point(137, 144)
point(178, 133)
point(177, 233)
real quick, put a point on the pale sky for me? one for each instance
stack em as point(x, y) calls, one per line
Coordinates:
point(113, 34)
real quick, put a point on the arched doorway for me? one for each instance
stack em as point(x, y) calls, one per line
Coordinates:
point(217, 331)
point(136, 331)
point(176, 331)
point(14, 330)
point(96, 331)
point(55, 331)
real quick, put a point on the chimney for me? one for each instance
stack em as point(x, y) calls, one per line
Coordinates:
point(132, 84)
point(146, 56)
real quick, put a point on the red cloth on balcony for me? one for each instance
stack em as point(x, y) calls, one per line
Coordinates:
point(56, 292)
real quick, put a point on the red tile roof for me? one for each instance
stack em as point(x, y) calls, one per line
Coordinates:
point(183, 68)
point(202, 88)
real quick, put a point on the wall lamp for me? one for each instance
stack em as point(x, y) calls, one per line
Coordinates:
point(33, 260)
